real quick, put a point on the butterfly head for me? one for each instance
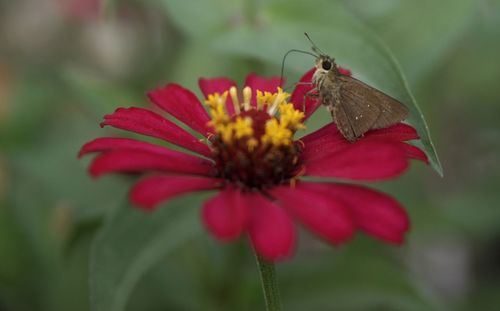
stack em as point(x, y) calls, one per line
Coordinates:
point(325, 64)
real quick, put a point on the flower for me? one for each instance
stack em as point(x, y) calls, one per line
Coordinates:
point(250, 155)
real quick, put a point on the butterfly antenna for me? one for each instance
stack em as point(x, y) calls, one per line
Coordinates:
point(314, 47)
point(284, 59)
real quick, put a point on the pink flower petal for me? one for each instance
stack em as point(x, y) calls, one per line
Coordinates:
point(137, 161)
point(218, 85)
point(183, 105)
point(111, 143)
point(270, 228)
point(225, 215)
point(328, 140)
point(363, 160)
point(323, 134)
point(148, 123)
point(259, 83)
point(413, 152)
point(396, 132)
point(345, 72)
point(374, 212)
point(324, 215)
point(299, 98)
point(152, 190)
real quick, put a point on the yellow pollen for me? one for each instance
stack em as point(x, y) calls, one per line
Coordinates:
point(291, 117)
point(276, 134)
point(243, 127)
point(226, 132)
point(264, 99)
point(252, 143)
point(217, 105)
point(279, 98)
point(284, 120)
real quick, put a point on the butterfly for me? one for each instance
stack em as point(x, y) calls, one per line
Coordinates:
point(355, 106)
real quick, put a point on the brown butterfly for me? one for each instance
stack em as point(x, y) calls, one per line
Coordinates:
point(355, 106)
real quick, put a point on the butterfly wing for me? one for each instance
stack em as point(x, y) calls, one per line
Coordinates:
point(343, 123)
point(362, 107)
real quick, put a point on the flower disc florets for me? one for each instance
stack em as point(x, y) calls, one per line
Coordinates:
point(254, 148)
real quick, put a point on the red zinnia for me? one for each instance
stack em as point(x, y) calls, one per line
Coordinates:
point(250, 157)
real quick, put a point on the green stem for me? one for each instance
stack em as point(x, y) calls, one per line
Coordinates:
point(269, 284)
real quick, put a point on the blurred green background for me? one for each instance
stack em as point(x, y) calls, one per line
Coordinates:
point(66, 63)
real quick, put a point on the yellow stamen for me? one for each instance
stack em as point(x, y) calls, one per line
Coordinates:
point(291, 117)
point(247, 96)
point(280, 98)
point(236, 101)
point(226, 132)
point(217, 104)
point(276, 134)
point(294, 179)
point(243, 127)
point(264, 98)
point(252, 143)
point(279, 130)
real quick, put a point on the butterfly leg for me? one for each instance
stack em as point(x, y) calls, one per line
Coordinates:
point(310, 94)
point(295, 84)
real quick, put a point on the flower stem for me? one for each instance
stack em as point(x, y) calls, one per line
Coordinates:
point(269, 284)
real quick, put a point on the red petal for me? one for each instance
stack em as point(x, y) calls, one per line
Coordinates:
point(345, 72)
point(324, 134)
point(146, 122)
point(299, 99)
point(396, 132)
point(110, 143)
point(225, 215)
point(153, 190)
point(218, 85)
point(413, 152)
point(363, 160)
point(271, 229)
point(328, 140)
point(324, 215)
point(183, 105)
point(135, 161)
point(259, 83)
point(324, 141)
point(374, 212)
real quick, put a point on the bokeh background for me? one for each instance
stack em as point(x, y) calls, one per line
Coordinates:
point(66, 63)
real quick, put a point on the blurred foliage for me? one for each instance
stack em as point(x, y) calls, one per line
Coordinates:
point(61, 70)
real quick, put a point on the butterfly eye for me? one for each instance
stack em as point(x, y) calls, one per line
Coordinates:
point(327, 65)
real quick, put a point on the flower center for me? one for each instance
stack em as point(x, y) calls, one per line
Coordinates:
point(254, 147)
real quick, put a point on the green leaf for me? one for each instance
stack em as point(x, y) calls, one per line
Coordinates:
point(337, 33)
point(131, 242)
point(435, 36)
